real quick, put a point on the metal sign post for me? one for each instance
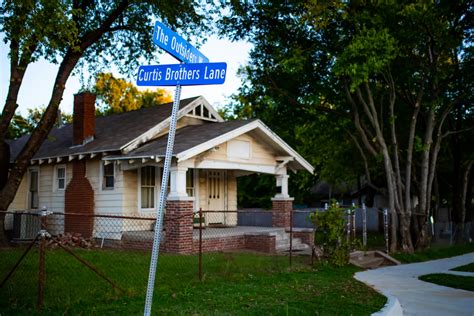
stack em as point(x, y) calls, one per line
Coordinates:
point(159, 217)
point(196, 71)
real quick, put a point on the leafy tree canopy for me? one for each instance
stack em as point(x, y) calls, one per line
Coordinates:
point(119, 95)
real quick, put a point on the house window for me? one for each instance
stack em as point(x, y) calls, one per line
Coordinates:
point(33, 202)
point(108, 177)
point(60, 178)
point(147, 185)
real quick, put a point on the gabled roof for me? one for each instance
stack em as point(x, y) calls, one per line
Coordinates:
point(112, 132)
point(191, 141)
point(134, 135)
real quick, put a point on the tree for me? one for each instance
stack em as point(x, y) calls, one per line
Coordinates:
point(93, 33)
point(118, 95)
point(25, 125)
point(385, 75)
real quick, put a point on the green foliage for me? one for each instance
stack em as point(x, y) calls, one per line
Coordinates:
point(255, 191)
point(331, 234)
point(57, 28)
point(24, 125)
point(119, 95)
point(450, 280)
point(369, 53)
point(434, 253)
point(465, 268)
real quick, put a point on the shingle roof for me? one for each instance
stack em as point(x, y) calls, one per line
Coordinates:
point(186, 138)
point(111, 132)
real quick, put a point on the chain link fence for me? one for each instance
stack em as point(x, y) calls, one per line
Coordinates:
point(56, 259)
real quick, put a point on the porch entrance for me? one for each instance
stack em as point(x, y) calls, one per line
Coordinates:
point(216, 195)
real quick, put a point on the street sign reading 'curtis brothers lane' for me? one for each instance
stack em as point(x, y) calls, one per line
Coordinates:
point(176, 45)
point(182, 74)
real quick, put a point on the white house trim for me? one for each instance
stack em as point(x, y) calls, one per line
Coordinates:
point(152, 132)
point(257, 124)
point(218, 164)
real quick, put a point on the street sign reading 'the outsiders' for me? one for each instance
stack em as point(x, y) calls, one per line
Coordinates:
point(182, 74)
point(176, 45)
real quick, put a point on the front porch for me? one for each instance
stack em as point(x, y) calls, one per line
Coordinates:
point(261, 239)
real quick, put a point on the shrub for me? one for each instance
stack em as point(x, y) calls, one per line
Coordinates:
point(331, 234)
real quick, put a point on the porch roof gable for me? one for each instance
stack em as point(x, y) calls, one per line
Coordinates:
point(193, 140)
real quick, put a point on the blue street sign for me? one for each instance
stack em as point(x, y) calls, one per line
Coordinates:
point(174, 44)
point(182, 74)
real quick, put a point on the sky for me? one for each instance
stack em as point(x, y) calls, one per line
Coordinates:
point(37, 86)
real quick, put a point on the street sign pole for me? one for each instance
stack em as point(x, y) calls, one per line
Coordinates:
point(161, 205)
point(194, 69)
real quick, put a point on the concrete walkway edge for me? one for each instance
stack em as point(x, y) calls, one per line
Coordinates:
point(407, 295)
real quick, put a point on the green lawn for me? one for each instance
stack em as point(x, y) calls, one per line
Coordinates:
point(450, 280)
point(234, 284)
point(434, 253)
point(466, 268)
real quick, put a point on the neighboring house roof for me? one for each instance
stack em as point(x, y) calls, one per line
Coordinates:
point(134, 134)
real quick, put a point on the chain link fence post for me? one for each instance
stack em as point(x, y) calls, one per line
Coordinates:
point(200, 244)
point(291, 236)
point(364, 225)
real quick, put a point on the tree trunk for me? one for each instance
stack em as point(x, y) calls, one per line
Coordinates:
point(22, 161)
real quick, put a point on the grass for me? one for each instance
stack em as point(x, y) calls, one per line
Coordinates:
point(234, 284)
point(450, 280)
point(434, 253)
point(465, 268)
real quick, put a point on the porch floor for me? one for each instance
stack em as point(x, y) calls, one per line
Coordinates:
point(210, 232)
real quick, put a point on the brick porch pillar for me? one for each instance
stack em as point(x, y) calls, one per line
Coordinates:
point(179, 225)
point(281, 208)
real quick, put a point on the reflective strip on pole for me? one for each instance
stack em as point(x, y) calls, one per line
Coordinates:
point(159, 215)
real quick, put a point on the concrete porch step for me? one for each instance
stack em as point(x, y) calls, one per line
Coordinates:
point(371, 259)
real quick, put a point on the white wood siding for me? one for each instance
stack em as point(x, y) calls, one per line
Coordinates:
point(260, 154)
point(106, 201)
point(19, 202)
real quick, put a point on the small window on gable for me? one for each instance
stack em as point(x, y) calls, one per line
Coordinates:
point(198, 110)
point(205, 112)
point(61, 178)
point(108, 179)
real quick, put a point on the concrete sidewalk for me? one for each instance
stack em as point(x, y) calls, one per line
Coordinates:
point(409, 296)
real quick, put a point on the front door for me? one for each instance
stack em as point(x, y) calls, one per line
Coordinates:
point(215, 196)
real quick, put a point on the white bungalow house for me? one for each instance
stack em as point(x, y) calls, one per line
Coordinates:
point(113, 164)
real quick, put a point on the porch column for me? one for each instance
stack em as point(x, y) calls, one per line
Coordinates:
point(282, 203)
point(179, 214)
point(177, 182)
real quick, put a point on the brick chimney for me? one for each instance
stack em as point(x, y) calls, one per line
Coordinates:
point(83, 122)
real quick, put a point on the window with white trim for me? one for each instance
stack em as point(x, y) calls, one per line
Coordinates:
point(60, 177)
point(108, 176)
point(147, 187)
point(33, 190)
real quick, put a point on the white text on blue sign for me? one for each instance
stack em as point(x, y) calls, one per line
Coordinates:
point(182, 74)
point(176, 45)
